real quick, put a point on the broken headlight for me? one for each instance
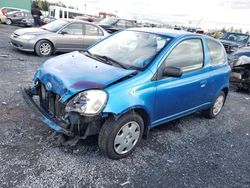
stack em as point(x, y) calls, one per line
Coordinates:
point(89, 102)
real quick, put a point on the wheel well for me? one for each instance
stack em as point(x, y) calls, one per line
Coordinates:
point(225, 90)
point(145, 116)
point(53, 46)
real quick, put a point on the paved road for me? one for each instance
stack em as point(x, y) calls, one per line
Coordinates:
point(190, 152)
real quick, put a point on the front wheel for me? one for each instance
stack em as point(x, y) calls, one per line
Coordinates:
point(44, 48)
point(215, 109)
point(118, 138)
point(8, 22)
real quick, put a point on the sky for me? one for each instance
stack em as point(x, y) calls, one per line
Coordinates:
point(206, 14)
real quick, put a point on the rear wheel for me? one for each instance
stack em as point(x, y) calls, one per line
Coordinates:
point(8, 21)
point(118, 138)
point(44, 48)
point(215, 109)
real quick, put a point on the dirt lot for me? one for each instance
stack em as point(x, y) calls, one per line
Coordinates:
point(190, 152)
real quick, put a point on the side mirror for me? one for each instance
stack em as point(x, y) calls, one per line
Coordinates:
point(172, 72)
point(64, 32)
point(248, 43)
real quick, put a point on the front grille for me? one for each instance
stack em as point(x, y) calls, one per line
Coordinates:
point(50, 103)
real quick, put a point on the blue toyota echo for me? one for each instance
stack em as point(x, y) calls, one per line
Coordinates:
point(127, 84)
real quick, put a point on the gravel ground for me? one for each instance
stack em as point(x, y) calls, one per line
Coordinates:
point(190, 152)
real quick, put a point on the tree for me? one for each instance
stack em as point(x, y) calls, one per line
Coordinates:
point(223, 30)
point(43, 5)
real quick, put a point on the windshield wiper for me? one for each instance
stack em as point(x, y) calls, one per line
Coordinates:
point(96, 57)
point(109, 59)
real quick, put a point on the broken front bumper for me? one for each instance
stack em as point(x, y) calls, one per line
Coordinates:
point(50, 121)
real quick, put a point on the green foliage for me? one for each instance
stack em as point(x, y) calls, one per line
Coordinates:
point(43, 5)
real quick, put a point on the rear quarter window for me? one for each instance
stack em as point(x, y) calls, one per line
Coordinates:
point(216, 52)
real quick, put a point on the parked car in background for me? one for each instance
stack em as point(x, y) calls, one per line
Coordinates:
point(47, 19)
point(128, 83)
point(88, 18)
point(115, 24)
point(19, 17)
point(234, 41)
point(6, 10)
point(240, 63)
point(58, 35)
point(191, 30)
point(84, 18)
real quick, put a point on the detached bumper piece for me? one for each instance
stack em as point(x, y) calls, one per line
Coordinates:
point(51, 111)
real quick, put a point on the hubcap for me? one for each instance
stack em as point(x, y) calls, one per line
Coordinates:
point(218, 105)
point(8, 22)
point(45, 48)
point(127, 137)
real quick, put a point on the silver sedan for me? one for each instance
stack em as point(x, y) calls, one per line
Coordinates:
point(59, 35)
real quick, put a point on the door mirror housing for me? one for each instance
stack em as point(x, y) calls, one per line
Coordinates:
point(248, 43)
point(172, 72)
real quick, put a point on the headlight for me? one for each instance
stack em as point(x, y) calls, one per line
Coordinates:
point(89, 102)
point(27, 37)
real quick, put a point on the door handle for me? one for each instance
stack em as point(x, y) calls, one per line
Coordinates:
point(203, 83)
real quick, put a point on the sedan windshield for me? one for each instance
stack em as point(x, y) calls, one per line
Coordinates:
point(236, 37)
point(54, 26)
point(132, 49)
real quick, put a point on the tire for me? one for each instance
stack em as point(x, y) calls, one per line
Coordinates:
point(44, 48)
point(8, 21)
point(113, 140)
point(215, 109)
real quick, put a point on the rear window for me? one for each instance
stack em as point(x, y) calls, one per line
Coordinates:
point(216, 52)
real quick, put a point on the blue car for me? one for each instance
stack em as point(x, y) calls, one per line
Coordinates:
point(127, 84)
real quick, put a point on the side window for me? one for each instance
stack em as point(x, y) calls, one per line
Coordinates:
point(216, 52)
point(121, 23)
point(74, 29)
point(11, 10)
point(188, 55)
point(91, 30)
point(130, 24)
point(65, 14)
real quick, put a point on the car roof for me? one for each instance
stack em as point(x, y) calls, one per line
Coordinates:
point(13, 12)
point(167, 32)
point(76, 20)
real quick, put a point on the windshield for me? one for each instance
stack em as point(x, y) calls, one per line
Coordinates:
point(236, 37)
point(108, 21)
point(133, 49)
point(54, 26)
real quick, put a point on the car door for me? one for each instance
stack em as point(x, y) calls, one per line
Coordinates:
point(92, 34)
point(178, 96)
point(16, 17)
point(70, 38)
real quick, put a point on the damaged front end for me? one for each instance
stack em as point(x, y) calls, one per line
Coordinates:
point(65, 118)
point(240, 76)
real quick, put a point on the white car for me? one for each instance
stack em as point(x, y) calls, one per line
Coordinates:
point(6, 10)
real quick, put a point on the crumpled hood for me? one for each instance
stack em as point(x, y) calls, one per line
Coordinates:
point(231, 43)
point(73, 72)
point(31, 31)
